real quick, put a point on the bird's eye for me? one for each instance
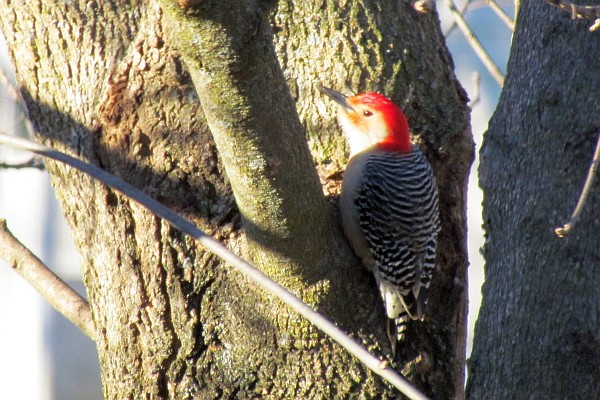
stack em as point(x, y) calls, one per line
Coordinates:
point(367, 113)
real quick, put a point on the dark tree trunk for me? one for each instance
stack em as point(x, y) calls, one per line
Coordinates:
point(538, 335)
point(115, 83)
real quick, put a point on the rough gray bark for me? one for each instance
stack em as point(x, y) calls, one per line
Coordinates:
point(103, 81)
point(537, 335)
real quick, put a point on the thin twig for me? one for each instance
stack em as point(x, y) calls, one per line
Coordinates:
point(15, 95)
point(568, 227)
point(33, 162)
point(501, 14)
point(577, 11)
point(60, 295)
point(475, 44)
point(453, 24)
point(373, 363)
point(476, 78)
point(10, 87)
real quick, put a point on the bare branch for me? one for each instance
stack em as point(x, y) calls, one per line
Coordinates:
point(374, 364)
point(462, 12)
point(10, 87)
point(577, 11)
point(476, 78)
point(33, 162)
point(501, 14)
point(568, 227)
point(60, 295)
point(15, 95)
point(475, 44)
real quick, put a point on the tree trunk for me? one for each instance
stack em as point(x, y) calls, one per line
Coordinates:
point(115, 83)
point(537, 335)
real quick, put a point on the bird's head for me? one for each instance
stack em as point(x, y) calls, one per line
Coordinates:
point(371, 120)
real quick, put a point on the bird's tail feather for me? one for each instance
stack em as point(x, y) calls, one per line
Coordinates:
point(396, 328)
point(412, 305)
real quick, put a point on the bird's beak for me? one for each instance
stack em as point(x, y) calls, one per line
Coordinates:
point(338, 98)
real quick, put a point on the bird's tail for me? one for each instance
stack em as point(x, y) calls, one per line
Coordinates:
point(412, 305)
point(396, 328)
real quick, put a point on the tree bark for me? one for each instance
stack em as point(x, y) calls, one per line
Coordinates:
point(115, 83)
point(390, 48)
point(537, 335)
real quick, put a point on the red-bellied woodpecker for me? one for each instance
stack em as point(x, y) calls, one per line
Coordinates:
point(389, 205)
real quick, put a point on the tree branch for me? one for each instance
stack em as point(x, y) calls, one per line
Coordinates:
point(60, 295)
point(579, 12)
point(16, 97)
point(33, 162)
point(453, 24)
point(475, 43)
point(476, 96)
point(255, 126)
point(501, 14)
point(568, 227)
point(374, 364)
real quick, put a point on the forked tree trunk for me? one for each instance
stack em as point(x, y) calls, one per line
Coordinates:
point(538, 336)
point(115, 83)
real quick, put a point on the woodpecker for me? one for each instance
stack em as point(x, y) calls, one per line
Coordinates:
point(389, 205)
